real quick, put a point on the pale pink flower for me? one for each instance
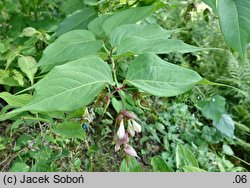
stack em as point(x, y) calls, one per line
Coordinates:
point(130, 151)
point(124, 140)
point(121, 130)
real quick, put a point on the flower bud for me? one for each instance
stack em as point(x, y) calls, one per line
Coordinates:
point(128, 114)
point(117, 147)
point(137, 126)
point(121, 130)
point(130, 151)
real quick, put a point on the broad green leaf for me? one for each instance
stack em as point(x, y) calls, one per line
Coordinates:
point(159, 165)
point(70, 86)
point(77, 20)
point(19, 167)
point(28, 66)
point(185, 157)
point(151, 32)
point(70, 46)
point(151, 74)
point(192, 169)
point(130, 165)
point(139, 45)
point(226, 125)
point(15, 100)
point(213, 108)
point(234, 16)
point(128, 16)
point(95, 26)
point(70, 130)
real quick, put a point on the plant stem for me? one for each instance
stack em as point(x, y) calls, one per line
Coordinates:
point(105, 49)
point(90, 158)
point(202, 94)
point(114, 71)
point(207, 82)
point(247, 163)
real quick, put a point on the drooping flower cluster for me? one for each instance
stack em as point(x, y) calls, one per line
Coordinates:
point(124, 132)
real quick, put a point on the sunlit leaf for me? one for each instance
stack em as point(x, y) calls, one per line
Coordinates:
point(234, 16)
point(151, 74)
point(70, 46)
point(77, 20)
point(70, 86)
point(128, 16)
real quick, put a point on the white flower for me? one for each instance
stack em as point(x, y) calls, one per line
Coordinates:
point(121, 130)
point(130, 151)
point(136, 126)
point(131, 129)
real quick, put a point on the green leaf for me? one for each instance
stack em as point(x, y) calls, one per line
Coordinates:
point(130, 165)
point(28, 66)
point(227, 150)
point(19, 167)
point(9, 56)
point(6, 78)
point(226, 125)
point(2, 147)
point(150, 32)
point(70, 130)
point(151, 74)
point(41, 165)
point(70, 86)
point(139, 45)
point(116, 104)
point(128, 16)
point(159, 165)
point(192, 169)
point(69, 6)
point(2, 48)
point(28, 32)
point(95, 25)
point(77, 20)
point(70, 46)
point(185, 157)
point(18, 77)
point(211, 3)
point(213, 108)
point(91, 2)
point(22, 141)
point(15, 100)
point(10, 115)
point(234, 16)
